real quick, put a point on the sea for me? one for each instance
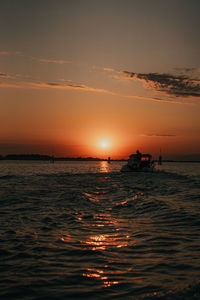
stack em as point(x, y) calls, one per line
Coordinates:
point(84, 230)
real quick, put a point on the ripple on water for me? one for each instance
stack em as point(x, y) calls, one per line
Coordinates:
point(99, 236)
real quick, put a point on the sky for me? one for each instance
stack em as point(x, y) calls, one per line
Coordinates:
point(100, 77)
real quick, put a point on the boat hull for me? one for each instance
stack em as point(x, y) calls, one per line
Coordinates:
point(127, 168)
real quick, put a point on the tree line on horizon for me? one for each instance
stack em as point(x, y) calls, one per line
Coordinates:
point(44, 157)
point(52, 158)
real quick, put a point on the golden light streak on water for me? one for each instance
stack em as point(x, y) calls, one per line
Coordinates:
point(96, 273)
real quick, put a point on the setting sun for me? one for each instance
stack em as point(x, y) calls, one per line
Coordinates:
point(104, 144)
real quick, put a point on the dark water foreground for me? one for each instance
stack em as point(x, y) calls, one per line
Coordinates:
point(99, 236)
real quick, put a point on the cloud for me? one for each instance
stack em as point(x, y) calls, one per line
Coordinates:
point(50, 60)
point(53, 85)
point(172, 85)
point(154, 99)
point(4, 53)
point(109, 69)
point(58, 85)
point(13, 76)
point(4, 75)
point(65, 80)
point(70, 86)
point(160, 135)
point(187, 70)
point(10, 85)
point(16, 53)
point(42, 60)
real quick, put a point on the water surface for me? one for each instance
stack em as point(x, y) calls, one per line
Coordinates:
point(83, 230)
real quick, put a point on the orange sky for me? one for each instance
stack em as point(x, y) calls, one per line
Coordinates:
point(119, 72)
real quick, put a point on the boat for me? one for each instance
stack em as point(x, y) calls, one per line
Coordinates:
point(139, 163)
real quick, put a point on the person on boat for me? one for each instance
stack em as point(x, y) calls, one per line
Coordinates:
point(138, 158)
point(138, 155)
point(135, 160)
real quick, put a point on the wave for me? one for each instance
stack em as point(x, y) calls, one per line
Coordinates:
point(100, 235)
point(190, 292)
point(5, 177)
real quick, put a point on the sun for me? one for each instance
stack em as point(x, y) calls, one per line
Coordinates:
point(104, 144)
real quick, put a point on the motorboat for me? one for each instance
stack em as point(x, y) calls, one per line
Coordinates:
point(142, 163)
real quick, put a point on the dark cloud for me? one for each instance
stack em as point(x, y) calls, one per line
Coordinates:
point(187, 70)
point(172, 85)
point(62, 85)
point(4, 75)
point(160, 135)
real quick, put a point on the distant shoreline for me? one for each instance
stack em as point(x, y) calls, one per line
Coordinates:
point(39, 157)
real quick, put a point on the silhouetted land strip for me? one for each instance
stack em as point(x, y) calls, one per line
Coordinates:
point(52, 158)
point(47, 157)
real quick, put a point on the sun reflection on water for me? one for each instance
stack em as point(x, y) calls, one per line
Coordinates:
point(102, 220)
point(104, 167)
point(103, 241)
point(96, 273)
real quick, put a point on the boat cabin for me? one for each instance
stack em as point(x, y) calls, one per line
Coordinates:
point(139, 162)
